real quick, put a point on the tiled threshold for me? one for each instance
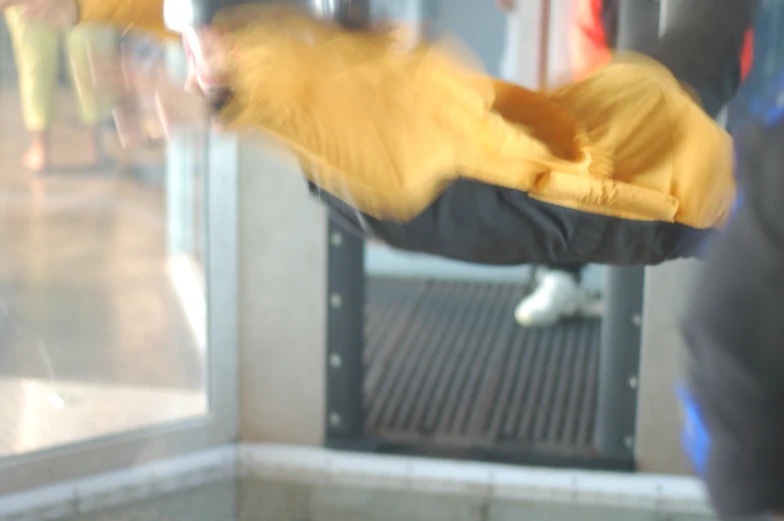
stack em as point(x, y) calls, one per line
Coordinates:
point(668, 495)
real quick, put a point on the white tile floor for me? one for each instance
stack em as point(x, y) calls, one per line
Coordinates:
point(255, 500)
point(38, 414)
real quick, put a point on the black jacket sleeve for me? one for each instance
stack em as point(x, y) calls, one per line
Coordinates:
point(702, 46)
point(735, 335)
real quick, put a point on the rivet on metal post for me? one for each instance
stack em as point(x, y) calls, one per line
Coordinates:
point(335, 361)
point(336, 239)
point(637, 319)
point(335, 300)
point(335, 419)
point(633, 382)
point(628, 442)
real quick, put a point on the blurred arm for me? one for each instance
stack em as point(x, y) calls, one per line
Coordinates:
point(702, 46)
point(734, 329)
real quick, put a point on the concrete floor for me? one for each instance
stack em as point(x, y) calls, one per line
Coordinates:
point(93, 336)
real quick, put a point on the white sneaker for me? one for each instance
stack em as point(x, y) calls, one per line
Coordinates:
point(557, 296)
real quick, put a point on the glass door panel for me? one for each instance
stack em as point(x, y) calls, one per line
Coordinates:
point(106, 271)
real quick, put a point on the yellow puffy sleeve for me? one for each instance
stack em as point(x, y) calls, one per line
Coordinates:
point(383, 127)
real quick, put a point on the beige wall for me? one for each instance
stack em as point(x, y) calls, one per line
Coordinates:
point(282, 302)
point(658, 446)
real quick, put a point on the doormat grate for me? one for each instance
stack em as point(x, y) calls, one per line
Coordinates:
point(447, 365)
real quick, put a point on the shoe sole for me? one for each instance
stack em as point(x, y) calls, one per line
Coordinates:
point(528, 322)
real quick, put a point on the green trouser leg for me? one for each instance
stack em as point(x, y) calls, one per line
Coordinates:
point(35, 49)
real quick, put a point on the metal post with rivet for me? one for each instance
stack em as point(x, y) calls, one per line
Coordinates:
point(619, 358)
point(345, 336)
point(345, 295)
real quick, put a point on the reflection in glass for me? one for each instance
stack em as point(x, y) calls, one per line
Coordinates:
point(102, 299)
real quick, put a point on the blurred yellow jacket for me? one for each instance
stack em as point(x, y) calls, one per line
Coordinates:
point(387, 130)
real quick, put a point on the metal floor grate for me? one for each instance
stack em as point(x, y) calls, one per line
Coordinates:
point(447, 364)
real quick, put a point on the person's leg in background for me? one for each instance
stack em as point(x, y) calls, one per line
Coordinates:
point(83, 43)
point(36, 51)
point(558, 295)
